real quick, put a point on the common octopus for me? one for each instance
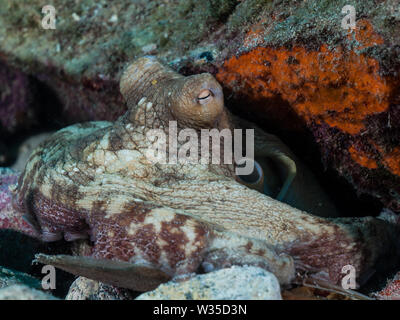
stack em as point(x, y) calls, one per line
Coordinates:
point(148, 223)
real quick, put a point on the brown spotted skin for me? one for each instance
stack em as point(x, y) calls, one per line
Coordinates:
point(94, 179)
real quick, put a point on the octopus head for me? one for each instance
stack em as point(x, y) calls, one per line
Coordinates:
point(200, 101)
point(196, 101)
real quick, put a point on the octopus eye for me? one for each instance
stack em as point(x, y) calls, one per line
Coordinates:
point(204, 96)
point(254, 177)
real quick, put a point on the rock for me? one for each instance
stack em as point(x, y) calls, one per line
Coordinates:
point(341, 84)
point(391, 291)
point(86, 289)
point(390, 216)
point(23, 292)
point(235, 283)
point(10, 277)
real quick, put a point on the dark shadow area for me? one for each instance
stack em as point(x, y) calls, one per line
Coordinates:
point(47, 110)
point(17, 251)
point(47, 106)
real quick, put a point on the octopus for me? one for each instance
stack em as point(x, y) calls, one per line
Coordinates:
point(146, 223)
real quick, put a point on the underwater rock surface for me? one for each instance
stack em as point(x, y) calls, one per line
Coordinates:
point(86, 289)
point(23, 292)
point(9, 277)
point(235, 283)
point(16, 285)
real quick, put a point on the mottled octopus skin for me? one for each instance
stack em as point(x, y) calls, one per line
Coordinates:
point(93, 178)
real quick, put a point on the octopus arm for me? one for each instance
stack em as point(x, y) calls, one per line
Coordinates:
point(317, 245)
